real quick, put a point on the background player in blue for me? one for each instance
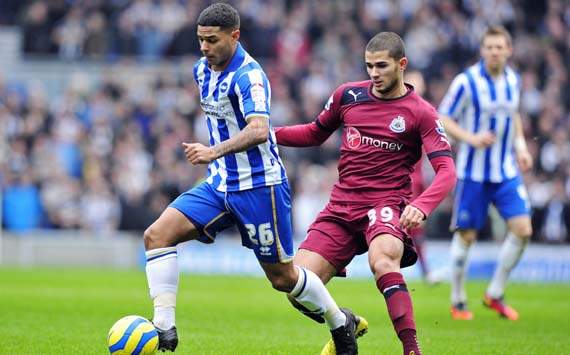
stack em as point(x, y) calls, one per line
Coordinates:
point(485, 99)
point(246, 186)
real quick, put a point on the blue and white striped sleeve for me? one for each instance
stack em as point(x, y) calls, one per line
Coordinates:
point(254, 94)
point(197, 69)
point(456, 97)
point(518, 89)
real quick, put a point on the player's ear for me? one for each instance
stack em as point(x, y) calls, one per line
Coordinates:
point(403, 62)
point(235, 34)
point(509, 50)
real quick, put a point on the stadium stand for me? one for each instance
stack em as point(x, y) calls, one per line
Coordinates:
point(103, 151)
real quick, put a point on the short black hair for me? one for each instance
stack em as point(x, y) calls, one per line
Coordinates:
point(219, 14)
point(387, 41)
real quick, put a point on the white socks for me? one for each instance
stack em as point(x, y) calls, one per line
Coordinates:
point(459, 252)
point(313, 295)
point(510, 253)
point(162, 277)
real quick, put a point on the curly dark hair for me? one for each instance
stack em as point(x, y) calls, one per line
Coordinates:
point(219, 14)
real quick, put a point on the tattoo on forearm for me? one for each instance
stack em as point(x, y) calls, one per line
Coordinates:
point(244, 140)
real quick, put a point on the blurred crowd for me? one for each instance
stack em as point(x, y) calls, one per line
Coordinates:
point(106, 153)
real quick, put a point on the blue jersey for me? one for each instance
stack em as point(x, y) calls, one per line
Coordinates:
point(480, 102)
point(228, 98)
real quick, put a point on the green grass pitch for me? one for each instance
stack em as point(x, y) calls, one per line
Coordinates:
point(62, 311)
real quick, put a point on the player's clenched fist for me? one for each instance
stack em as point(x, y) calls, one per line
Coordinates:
point(411, 217)
point(197, 153)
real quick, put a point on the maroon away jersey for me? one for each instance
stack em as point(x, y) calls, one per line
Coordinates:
point(381, 140)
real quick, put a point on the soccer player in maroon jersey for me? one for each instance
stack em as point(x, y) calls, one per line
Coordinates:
point(385, 124)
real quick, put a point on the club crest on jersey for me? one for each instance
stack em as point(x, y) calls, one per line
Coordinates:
point(398, 124)
point(353, 138)
point(224, 87)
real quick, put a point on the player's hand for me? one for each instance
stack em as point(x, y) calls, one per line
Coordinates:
point(197, 153)
point(524, 159)
point(411, 217)
point(482, 139)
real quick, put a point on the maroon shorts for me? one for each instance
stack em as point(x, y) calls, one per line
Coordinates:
point(342, 231)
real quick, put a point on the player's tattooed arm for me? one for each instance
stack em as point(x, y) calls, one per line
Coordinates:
point(256, 132)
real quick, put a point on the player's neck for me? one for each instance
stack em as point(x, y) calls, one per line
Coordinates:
point(222, 67)
point(495, 72)
point(398, 91)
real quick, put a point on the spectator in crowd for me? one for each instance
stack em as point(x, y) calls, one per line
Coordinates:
point(120, 132)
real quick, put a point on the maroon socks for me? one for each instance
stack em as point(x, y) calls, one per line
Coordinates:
point(400, 309)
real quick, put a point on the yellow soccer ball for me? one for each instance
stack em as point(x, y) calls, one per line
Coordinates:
point(133, 335)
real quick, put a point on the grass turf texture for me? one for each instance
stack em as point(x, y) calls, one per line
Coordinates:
point(61, 311)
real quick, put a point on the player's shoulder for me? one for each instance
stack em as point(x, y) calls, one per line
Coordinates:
point(249, 66)
point(201, 62)
point(512, 75)
point(353, 92)
point(418, 99)
point(464, 76)
point(419, 104)
point(199, 68)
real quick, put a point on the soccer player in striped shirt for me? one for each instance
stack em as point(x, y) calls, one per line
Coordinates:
point(246, 185)
point(480, 110)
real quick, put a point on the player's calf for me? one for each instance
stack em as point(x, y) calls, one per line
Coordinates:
point(400, 310)
point(316, 316)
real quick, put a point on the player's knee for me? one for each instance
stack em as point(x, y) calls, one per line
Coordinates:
point(152, 239)
point(468, 237)
point(384, 266)
point(524, 232)
point(282, 283)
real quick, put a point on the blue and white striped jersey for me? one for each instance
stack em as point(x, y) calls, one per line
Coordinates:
point(480, 102)
point(228, 98)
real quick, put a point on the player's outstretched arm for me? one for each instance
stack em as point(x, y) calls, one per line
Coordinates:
point(317, 132)
point(255, 132)
point(477, 140)
point(303, 135)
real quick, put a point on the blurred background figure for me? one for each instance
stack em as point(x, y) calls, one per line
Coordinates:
point(416, 78)
point(97, 95)
point(481, 112)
